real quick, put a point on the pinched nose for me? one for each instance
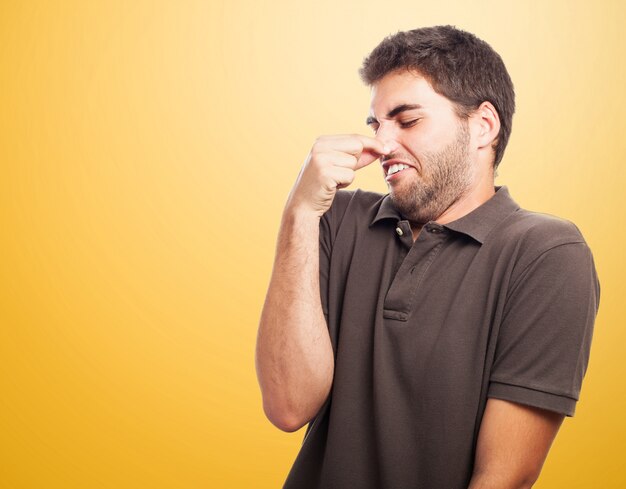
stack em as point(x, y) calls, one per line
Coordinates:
point(390, 145)
point(388, 133)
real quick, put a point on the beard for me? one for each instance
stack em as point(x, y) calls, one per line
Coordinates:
point(445, 177)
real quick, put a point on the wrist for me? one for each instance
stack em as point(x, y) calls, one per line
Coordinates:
point(300, 213)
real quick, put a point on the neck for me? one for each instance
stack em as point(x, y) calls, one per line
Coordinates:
point(469, 201)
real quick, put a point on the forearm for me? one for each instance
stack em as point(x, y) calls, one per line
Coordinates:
point(513, 443)
point(294, 356)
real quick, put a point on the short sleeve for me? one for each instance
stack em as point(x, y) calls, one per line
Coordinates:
point(329, 226)
point(325, 252)
point(544, 340)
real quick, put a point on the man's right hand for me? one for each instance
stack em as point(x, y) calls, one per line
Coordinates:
point(331, 165)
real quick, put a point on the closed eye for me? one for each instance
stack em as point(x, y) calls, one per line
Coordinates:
point(404, 124)
point(408, 123)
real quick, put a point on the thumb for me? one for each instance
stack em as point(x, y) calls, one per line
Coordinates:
point(366, 157)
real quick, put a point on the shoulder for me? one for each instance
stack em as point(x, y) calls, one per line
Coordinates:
point(350, 210)
point(358, 204)
point(358, 199)
point(542, 242)
point(536, 232)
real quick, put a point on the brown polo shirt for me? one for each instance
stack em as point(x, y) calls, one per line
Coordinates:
point(499, 303)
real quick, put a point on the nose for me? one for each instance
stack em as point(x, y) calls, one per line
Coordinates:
point(388, 135)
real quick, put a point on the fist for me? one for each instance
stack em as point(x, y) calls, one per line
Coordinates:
point(331, 165)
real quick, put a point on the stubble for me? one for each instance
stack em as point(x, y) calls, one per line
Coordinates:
point(445, 178)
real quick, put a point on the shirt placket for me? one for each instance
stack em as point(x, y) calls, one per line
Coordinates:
point(419, 255)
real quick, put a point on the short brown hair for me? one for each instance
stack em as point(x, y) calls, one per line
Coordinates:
point(458, 65)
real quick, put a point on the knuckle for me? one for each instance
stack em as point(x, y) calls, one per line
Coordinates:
point(317, 154)
point(320, 140)
point(319, 147)
point(319, 158)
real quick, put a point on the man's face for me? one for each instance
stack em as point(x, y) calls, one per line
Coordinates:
point(427, 135)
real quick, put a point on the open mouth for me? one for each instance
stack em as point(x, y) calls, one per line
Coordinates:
point(395, 168)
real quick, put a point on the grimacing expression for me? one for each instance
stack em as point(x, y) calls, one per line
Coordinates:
point(430, 166)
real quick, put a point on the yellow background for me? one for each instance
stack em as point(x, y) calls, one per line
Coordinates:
point(147, 149)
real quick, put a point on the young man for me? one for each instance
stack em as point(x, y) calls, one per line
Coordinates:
point(434, 337)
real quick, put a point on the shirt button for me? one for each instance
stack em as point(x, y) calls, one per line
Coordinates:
point(399, 231)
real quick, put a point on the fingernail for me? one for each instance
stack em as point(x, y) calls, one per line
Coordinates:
point(385, 149)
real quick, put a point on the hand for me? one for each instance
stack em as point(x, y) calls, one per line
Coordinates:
point(331, 165)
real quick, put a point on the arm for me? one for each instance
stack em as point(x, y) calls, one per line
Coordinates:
point(540, 360)
point(294, 356)
point(513, 443)
point(294, 352)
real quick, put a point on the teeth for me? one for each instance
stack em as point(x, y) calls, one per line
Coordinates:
point(396, 168)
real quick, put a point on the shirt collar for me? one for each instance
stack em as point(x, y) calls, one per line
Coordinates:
point(477, 224)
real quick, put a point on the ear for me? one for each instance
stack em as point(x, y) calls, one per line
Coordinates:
point(487, 124)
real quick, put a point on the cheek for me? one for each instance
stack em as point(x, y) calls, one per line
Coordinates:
point(428, 139)
point(416, 143)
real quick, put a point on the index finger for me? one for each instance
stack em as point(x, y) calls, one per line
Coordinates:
point(371, 150)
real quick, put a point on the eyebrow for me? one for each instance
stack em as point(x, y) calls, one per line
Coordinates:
point(394, 112)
